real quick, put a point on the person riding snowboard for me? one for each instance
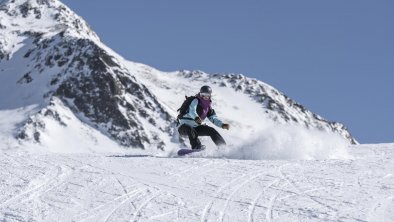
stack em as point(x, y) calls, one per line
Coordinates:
point(190, 124)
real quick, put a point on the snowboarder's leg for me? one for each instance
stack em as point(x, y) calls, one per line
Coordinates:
point(186, 130)
point(205, 130)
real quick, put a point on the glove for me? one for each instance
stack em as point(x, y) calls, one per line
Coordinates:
point(198, 120)
point(226, 126)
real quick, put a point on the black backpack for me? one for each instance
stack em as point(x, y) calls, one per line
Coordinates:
point(185, 106)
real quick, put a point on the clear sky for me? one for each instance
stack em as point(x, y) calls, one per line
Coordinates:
point(336, 57)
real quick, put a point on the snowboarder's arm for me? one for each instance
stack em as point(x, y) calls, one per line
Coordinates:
point(193, 109)
point(214, 118)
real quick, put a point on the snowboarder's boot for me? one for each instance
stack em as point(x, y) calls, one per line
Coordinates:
point(199, 147)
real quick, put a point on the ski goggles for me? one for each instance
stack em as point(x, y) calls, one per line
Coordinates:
point(208, 95)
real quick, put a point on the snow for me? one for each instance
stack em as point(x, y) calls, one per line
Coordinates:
point(17, 94)
point(46, 23)
point(268, 171)
point(73, 136)
point(37, 185)
point(78, 174)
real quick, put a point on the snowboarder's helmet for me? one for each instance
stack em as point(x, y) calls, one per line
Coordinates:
point(206, 90)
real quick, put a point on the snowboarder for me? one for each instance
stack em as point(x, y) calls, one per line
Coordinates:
point(193, 115)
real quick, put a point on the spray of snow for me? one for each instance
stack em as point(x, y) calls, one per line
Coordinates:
point(288, 142)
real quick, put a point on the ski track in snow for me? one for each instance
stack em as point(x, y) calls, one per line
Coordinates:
point(253, 204)
point(96, 187)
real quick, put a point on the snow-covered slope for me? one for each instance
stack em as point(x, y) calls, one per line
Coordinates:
point(63, 90)
point(56, 70)
point(46, 186)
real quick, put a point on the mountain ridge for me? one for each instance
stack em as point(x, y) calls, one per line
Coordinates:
point(49, 52)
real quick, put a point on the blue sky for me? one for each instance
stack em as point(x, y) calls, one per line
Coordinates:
point(335, 57)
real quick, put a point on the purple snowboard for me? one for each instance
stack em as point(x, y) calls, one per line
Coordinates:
point(183, 152)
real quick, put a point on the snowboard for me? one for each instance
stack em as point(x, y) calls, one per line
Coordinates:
point(183, 152)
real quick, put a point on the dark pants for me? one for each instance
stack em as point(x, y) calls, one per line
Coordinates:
point(202, 130)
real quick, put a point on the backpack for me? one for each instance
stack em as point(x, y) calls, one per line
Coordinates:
point(185, 106)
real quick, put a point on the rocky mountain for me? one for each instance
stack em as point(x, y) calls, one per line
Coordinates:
point(47, 51)
point(52, 63)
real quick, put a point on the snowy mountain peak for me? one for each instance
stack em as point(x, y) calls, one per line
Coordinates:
point(50, 58)
point(23, 18)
